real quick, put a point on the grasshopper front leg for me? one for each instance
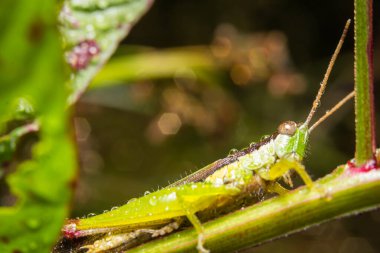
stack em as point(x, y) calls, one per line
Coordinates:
point(190, 214)
point(282, 166)
point(276, 187)
point(200, 230)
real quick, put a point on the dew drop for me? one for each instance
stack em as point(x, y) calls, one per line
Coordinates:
point(132, 200)
point(219, 182)
point(105, 211)
point(233, 151)
point(153, 200)
point(171, 197)
point(90, 215)
point(252, 144)
point(114, 208)
point(264, 137)
point(146, 193)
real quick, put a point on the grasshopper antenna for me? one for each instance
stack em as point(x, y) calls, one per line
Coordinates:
point(332, 110)
point(327, 74)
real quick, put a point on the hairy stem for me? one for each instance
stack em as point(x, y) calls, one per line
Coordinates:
point(364, 105)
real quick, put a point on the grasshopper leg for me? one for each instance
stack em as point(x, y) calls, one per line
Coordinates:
point(282, 166)
point(277, 188)
point(200, 230)
point(115, 240)
point(190, 214)
point(191, 203)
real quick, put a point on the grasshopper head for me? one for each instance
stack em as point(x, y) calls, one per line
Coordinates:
point(292, 139)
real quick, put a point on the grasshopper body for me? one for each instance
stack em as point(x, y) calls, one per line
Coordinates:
point(201, 195)
point(240, 175)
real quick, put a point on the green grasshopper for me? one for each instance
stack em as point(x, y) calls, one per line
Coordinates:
point(224, 184)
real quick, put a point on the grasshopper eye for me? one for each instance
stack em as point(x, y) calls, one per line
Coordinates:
point(287, 127)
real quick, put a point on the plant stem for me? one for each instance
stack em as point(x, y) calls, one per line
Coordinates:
point(364, 105)
point(339, 194)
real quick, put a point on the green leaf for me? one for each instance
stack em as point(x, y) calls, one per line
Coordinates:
point(32, 71)
point(92, 30)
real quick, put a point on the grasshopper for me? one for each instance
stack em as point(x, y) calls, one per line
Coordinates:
point(224, 184)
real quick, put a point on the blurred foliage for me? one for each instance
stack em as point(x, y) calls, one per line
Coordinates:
point(249, 58)
point(32, 89)
point(36, 185)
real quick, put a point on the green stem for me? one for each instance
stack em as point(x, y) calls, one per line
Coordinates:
point(339, 194)
point(364, 106)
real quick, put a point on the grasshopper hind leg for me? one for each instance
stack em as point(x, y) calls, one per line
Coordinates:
point(123, 241)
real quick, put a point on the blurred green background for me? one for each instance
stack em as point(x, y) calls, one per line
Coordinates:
point(195, 79)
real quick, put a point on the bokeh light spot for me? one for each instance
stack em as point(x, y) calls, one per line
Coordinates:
point(241, 74)
point(169, 123)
